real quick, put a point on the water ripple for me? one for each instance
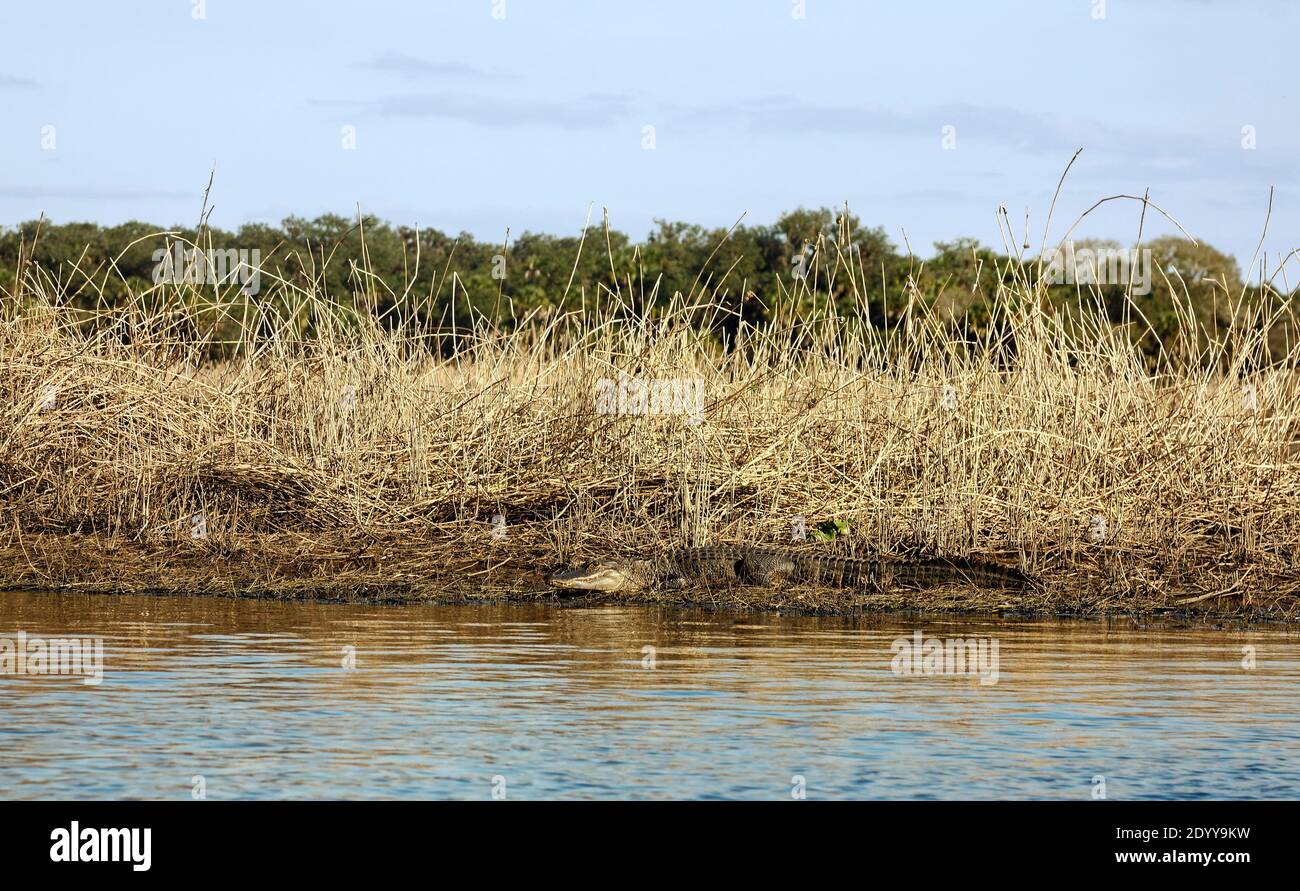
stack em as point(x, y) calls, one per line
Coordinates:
point(254, 697)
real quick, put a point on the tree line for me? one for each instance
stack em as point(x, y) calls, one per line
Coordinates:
point(804, 261)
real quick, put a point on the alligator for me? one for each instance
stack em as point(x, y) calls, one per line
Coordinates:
point(727, 564)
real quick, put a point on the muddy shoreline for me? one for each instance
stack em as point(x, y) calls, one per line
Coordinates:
point(345, 569)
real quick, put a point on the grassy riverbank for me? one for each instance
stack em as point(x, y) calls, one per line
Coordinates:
point(331, 450)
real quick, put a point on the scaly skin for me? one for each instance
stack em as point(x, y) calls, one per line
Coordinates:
point(746, 565)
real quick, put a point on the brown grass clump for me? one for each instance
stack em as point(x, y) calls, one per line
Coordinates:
point(370, 456)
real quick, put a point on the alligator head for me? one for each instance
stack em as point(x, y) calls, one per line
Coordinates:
point(604, 576)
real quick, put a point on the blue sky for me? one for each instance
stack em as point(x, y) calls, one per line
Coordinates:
point(468, 121)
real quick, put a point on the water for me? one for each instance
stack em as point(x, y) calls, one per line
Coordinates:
point(537, 701)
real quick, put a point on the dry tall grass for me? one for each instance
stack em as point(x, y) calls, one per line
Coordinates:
point(364, 460)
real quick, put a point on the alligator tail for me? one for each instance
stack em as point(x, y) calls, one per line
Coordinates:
point(940, 571)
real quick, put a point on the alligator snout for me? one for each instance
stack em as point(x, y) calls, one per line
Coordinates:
point(603, 577)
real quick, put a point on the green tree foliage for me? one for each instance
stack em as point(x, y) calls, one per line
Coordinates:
point(808, 260)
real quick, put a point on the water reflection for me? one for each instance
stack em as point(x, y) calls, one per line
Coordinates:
point(253, 696)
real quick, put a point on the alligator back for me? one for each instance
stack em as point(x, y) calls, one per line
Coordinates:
point(744, 564)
